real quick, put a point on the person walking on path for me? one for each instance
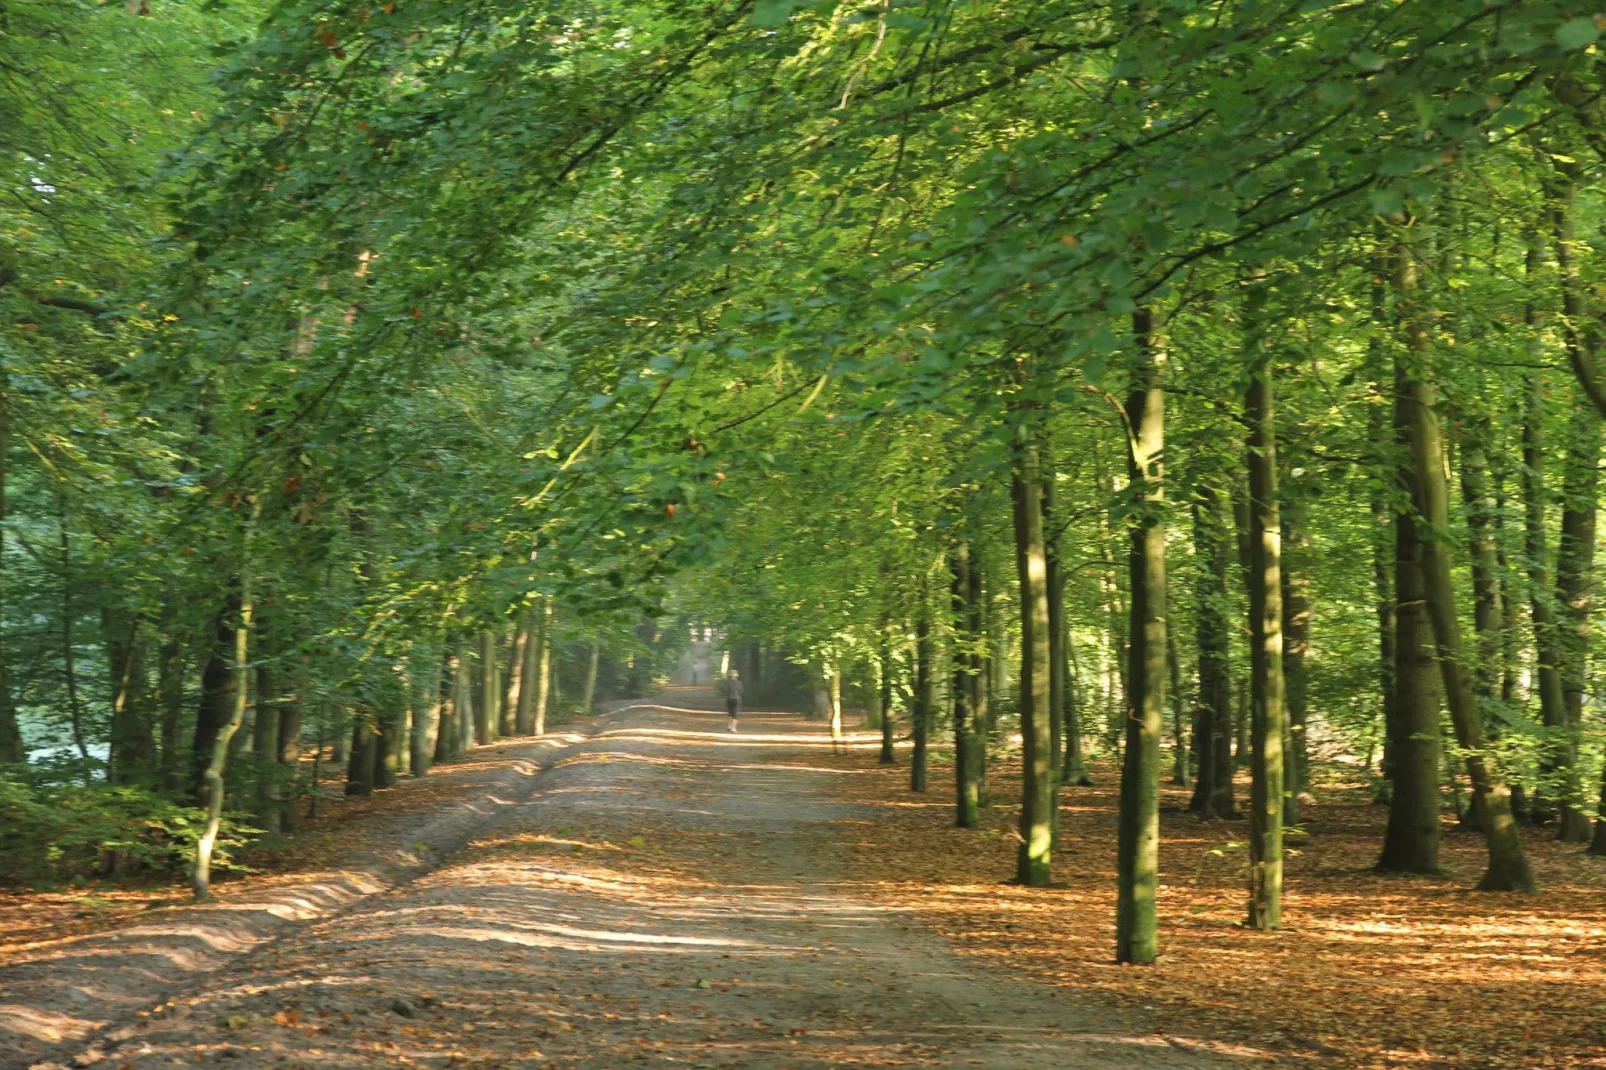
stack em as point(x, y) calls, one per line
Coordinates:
point(733, 696)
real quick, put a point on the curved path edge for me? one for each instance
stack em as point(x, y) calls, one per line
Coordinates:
point(77, 991)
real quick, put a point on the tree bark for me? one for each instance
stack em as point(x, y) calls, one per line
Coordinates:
point(486, 714)
point(967, 799)
point(543, 670)
point(360, 756)
point(12, 749)
point(268, 750)
point(1138, 839)
point(1055, 578)
point(218, 685)
point(1296, 648)
point(589, 698)
point(1034, 859)
point(1213, 795)
point(1268, 709)
point(1508, 866)
point(976, 625)
point(212, 774)
point(1575, 551)
point(1411, 840)
point(516, 700)
point(888, 721)
point(924, 684)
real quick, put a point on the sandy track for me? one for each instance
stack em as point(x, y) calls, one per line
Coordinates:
point(667, 895)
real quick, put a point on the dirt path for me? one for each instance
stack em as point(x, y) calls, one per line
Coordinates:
point(666, 896)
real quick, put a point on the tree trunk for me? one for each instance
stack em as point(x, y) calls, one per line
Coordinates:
point(1138, 839)
point(888, 721)
point(1508, 867)
point(834, 678)
point(212, 774)
point(1213, 796)
point(1575, 551)
point(589, 697)
point(11, 745)
point(218, 684)
point(924, 685)
point(447, 735)
point(1268, 709)
point(967, 800)
point(427, 726)
point(1055, 579)
point(1034, 859)
point(1546, 629)
point(360, 757)
point(486, 714)
point(267, 749)
point(1411, 756)
point(1179, 733)
point(1296, 647)
point(131, 757)
point(976, 625)
point(515, 701)
point(543, 670)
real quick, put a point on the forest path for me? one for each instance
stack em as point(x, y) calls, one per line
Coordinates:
point(665, 897)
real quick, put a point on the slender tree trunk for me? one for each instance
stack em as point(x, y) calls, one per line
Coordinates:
point(446, 727)
point(1213, 796)
point(170, 666)
point(427, 723)
point(1488, 615)
point(289, 737)
point(463, 698)
point(976, 682)
point(1138, 839)
point(1508, 866)
point(1074, 769)
point(267, 748)
point(924, 685)
point(486, 714)
point(1179, 733)
point(131, 756)
point(11, 745)
point(888, 721)
point(967, 800)
point(1034, 860)
point(1055, 578)
point(1575, 552)
point(1268, 710)
point(212, 775)
point(1296, 647)
point(517, 680)
point(217, 696)
point(834, 669)
point(75, 708)
point(543, 669)
point(589, 698)
point(1552, 703)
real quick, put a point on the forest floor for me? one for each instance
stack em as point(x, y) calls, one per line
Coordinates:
point(1370, 970)
point(664, 895)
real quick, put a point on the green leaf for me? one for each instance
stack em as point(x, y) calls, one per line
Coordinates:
point(1387, 201)
point(771, 13)
point(1577, 33)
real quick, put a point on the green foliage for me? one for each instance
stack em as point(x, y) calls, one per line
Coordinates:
point(51, 834)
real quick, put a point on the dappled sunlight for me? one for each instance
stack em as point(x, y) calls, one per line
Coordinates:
point(1377, 941)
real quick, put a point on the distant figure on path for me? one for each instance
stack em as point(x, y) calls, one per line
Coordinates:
point(733, 696)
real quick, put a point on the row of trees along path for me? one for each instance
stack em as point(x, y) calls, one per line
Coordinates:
point(1208, 387)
